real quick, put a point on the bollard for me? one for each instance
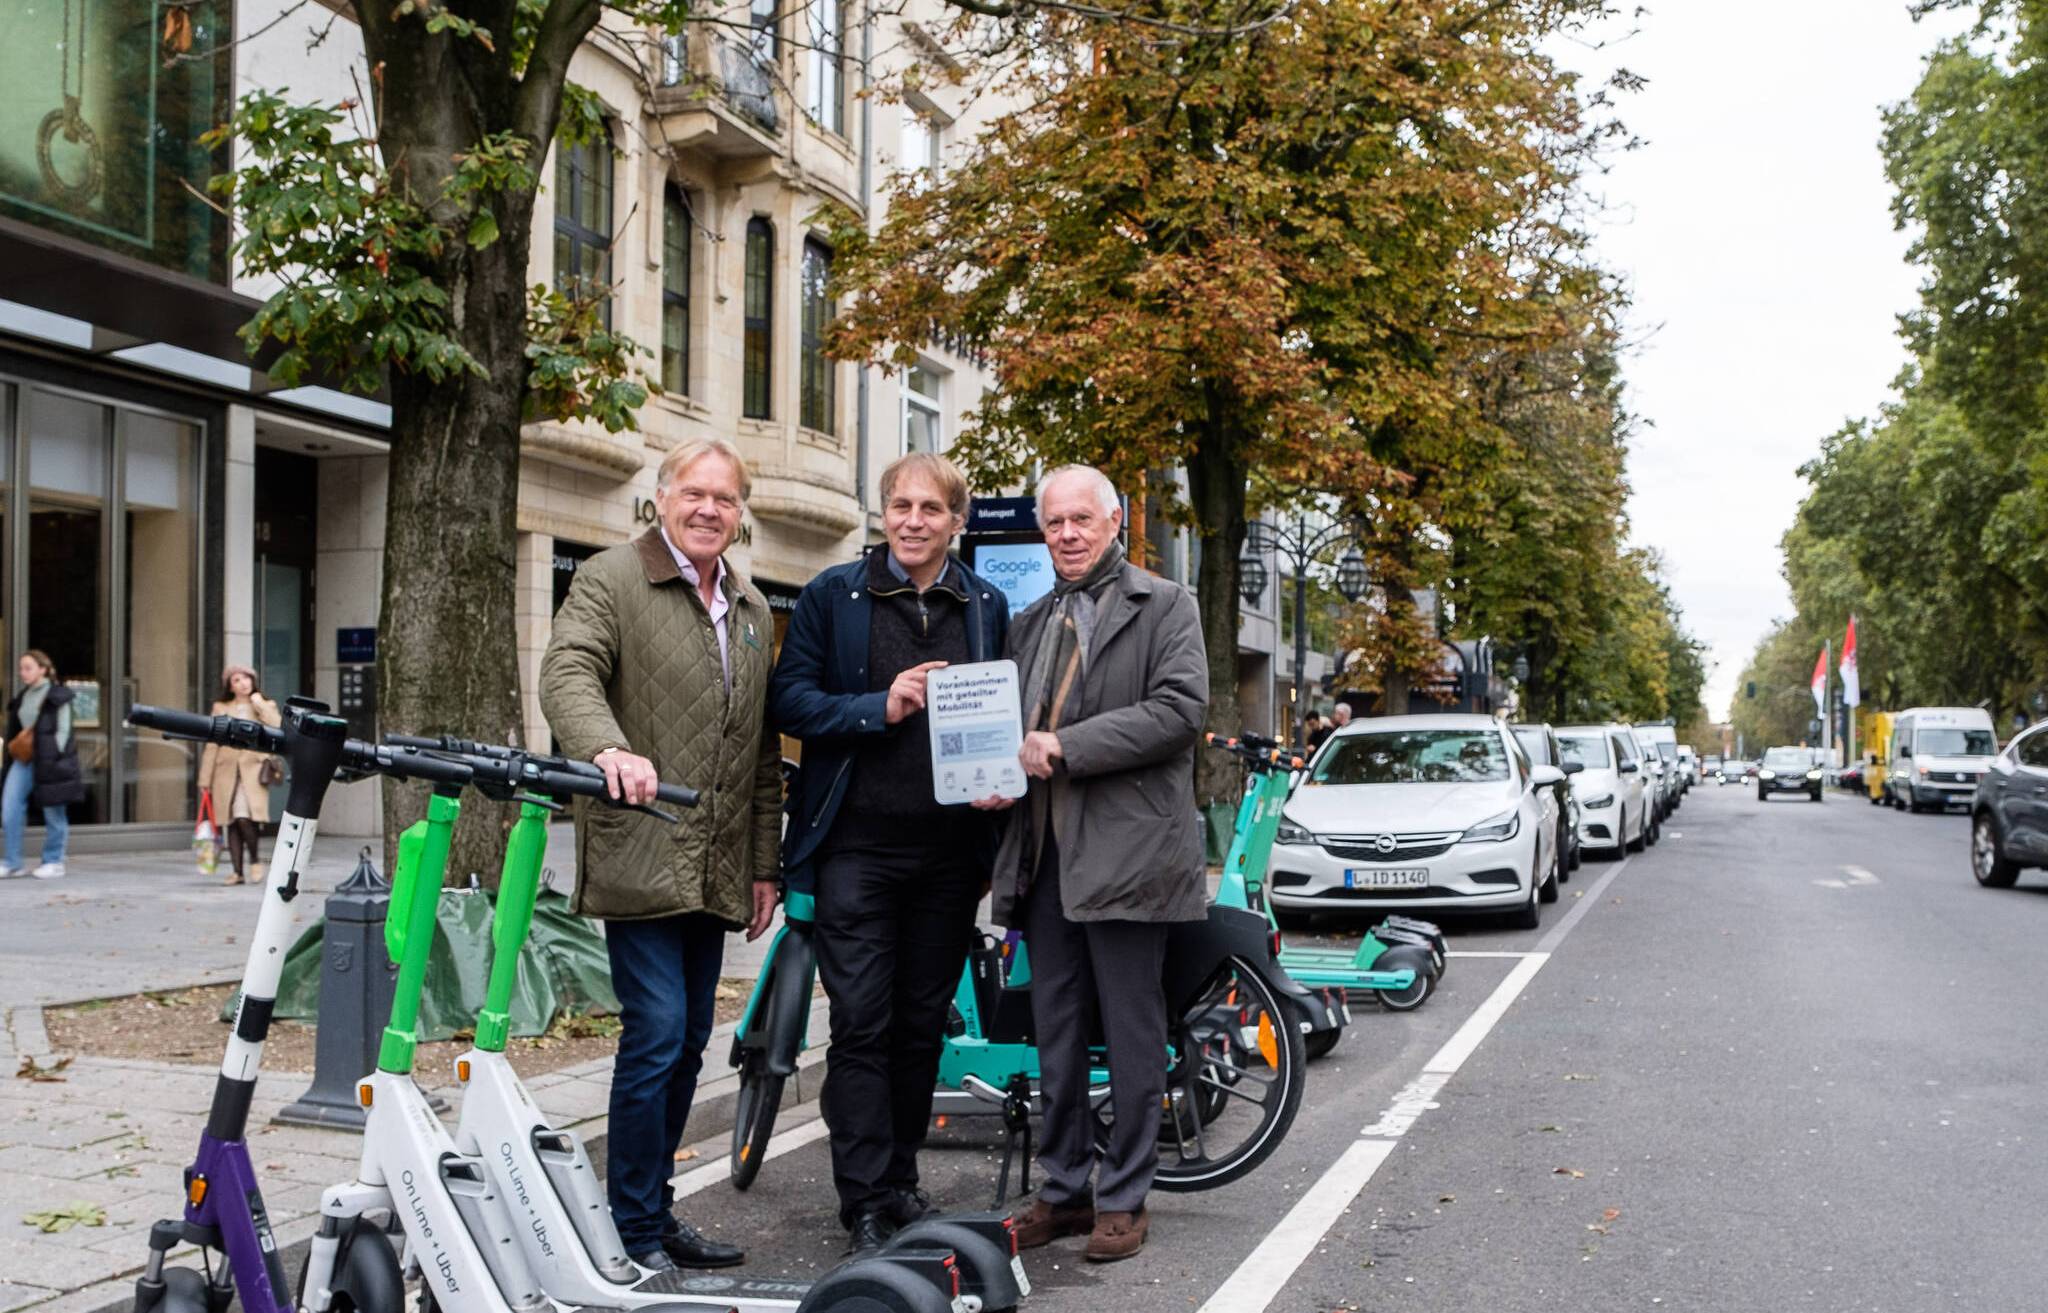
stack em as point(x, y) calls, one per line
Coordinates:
point(356, 983)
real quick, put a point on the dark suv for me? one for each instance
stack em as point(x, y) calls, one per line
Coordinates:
point(2009, 816)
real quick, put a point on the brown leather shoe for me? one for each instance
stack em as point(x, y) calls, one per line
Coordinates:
point(1042, 1223)
point(1117, 1236)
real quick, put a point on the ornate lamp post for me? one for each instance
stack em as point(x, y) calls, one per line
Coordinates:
point(1302, 547)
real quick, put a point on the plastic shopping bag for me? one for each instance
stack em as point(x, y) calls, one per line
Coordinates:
point(206, 836)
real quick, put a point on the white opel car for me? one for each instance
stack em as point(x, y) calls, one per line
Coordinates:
point(1420, 812)
point(1614, 796)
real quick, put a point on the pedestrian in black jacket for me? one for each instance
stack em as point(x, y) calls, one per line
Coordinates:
point(896, 874)
point(42, 766)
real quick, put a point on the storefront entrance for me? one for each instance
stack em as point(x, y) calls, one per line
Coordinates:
point(99, 568)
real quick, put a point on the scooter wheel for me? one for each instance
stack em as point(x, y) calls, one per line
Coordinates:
point(754, 1118)
point(184, 1292)
point(366, 1276)
point(1320, 1043)
point(1406, 959)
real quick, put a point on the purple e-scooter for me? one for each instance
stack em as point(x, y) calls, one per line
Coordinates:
point(224, 1211)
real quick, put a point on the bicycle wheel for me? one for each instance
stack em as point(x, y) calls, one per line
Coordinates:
point(1233, 1085)
point(753, 1118)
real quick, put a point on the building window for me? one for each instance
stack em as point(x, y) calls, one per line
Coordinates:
point(828, 68)
point(675, 293)
point(675, 58)
point(767, 41)
point(920, 145)
point(760, 299)
point(583, 220)
point(818, 392)
point(923, 428)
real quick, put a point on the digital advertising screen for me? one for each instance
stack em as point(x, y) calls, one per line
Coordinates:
point(1022, 570)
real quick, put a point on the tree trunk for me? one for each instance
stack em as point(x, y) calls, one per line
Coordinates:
point(447, 655)
point(1216, 484)
point(1394, 694)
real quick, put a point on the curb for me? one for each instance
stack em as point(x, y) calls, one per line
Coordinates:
point(711, 1116)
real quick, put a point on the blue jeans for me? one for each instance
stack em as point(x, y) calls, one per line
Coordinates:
point(665, 972)
point(14, 803)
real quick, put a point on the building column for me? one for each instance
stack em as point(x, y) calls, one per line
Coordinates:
point(349, 571)
point(534, 607)
point(238, 530)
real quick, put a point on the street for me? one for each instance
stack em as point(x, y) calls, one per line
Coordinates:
point(1786, 1058)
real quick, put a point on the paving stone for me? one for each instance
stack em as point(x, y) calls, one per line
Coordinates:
point(59, 1267)
point(13, 1296)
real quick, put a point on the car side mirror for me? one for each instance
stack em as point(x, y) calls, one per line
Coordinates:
point(1629, 767)
point(1544, 777)
point(1574, 767)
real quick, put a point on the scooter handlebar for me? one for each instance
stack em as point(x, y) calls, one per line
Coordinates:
point(561, 782)
point(229, 731)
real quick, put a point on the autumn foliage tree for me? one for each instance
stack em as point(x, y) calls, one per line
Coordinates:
point(1234, 235)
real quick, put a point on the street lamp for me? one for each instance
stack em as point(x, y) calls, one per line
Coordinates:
point(1302, 548)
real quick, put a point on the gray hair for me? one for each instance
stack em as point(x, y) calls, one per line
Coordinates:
point(691, 450)
point(1105, 491)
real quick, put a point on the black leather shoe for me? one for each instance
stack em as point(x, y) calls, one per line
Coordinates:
point(870, 1228)
point(654, 1260)
point(691, 1248)
point(909, 1205)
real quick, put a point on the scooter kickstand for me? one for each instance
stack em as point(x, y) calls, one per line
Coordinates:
point(1016, 1127)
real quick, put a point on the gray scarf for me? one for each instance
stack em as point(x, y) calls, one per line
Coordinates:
point(1054, 680)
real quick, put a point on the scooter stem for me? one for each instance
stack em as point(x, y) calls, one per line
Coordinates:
point(518, 888)
point(409, 931)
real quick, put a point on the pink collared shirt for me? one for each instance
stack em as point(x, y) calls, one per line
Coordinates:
point(718, 607)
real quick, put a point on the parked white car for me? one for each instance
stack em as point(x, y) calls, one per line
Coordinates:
point(1420, 812)
point(1616, 811)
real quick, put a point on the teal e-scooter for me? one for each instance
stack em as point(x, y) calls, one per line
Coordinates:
point(1398, 961)
point(542, 1175)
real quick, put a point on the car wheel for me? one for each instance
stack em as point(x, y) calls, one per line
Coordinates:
point(1634, 845)
point(1529, 915)
point(1815, 795)
point(1873, 800)
point(1987, 856)
point(1656, 833)
point(1759, 793)
point(1547, 891)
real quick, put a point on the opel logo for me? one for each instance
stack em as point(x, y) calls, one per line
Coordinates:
point(1383, 843)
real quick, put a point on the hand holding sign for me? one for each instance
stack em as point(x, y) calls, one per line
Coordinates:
point(906, 694)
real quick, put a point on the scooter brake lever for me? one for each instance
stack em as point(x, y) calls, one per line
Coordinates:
point(538, 800)
point(656, 812)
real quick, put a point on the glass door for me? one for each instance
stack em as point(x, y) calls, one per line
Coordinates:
point(68, 443)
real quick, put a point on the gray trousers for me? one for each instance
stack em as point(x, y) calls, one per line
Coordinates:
point(1082, 970)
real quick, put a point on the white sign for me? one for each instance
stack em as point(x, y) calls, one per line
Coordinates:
point(977, 727)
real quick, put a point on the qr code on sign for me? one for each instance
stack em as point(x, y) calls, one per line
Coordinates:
point(949, 745)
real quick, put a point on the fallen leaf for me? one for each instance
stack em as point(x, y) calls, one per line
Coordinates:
point(685, 1155)
point(1579, 1075)
point(1550, 1128)
point(50, 1221)
point(1447, 1199)
point(30, 1069)
point(1610, 1214)
point(1572, 1172)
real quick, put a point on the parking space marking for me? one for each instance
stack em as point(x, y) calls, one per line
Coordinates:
point(702, 1178)
point(1481, 952)
point(1259, 1279)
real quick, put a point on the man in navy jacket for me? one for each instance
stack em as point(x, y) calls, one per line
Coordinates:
point(897, 875)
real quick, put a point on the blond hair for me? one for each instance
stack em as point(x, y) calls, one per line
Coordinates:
point(685, 454)
point(943, 474)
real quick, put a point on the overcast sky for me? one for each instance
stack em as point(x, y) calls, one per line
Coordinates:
point(1755, 229)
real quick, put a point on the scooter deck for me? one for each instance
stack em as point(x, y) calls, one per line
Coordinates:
point(1335, 967)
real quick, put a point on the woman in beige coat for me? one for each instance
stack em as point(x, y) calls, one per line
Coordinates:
point(234, 776)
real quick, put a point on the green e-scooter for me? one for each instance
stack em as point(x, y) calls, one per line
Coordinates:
point(543, 1177)
point(1398, 960)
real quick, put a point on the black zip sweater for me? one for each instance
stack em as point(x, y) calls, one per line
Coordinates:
point(892, 775)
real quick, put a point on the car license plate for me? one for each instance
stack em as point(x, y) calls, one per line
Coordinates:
point(1390, 877)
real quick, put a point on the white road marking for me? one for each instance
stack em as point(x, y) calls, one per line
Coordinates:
point(702, 1178)
point(1259, 1279)
point(1480, 953)
point(1858, 877)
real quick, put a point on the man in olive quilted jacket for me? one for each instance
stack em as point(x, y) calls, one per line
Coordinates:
point(658, 671)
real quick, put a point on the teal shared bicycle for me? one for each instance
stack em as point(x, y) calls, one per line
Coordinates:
point(1236, 1051)
point(1398, 962)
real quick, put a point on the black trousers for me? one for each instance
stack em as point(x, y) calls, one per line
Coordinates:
point(1112, 971)
point(893, 929)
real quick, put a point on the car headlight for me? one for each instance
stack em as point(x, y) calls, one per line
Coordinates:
point(1595, 804)
point(1767, 775)
point(1923, 770)
point(1813, 775)
point(1290, 833)
point(1495, 829)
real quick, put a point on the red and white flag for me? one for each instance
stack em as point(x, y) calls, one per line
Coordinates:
point(1820, 683)
point(1852, 691)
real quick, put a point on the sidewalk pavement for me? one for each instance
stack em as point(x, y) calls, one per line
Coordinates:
point(115, 1134)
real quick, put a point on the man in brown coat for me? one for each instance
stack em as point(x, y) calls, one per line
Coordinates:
point(1103, 852)
point(658, 671)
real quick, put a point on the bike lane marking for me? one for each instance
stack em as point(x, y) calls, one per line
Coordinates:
point(710, 1174)
point(1259, 1279)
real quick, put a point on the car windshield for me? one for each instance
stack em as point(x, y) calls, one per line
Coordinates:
point(1789, 758)
point(1588, 750)
point(1415, 756)
point(1953, 743)
point(1669, 751)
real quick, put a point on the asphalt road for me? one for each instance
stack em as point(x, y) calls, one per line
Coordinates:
point(1790, 1058)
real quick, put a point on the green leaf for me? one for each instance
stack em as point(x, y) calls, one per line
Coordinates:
point(483, 229)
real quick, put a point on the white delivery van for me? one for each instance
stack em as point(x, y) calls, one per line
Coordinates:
point(1938, 755)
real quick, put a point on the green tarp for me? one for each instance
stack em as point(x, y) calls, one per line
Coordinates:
point(563, 970)
point(1219, 829)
